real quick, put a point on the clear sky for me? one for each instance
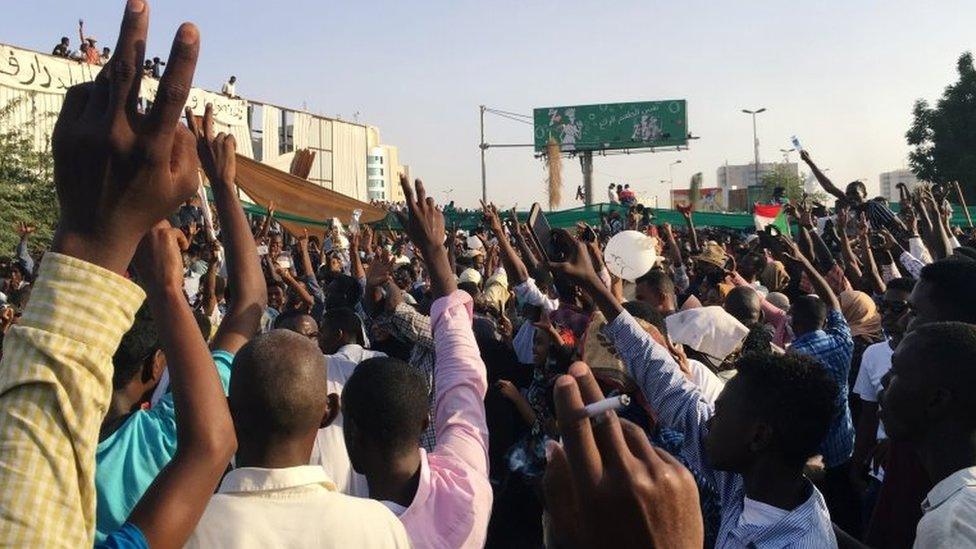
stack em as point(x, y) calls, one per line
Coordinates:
point(841, 75)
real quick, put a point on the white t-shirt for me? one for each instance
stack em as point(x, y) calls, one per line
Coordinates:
point(757, 513)
point(329, 450)
point(229, 89)
point(710, 384)
point(875, 363)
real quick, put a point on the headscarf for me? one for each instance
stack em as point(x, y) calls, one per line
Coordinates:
point(861, 313)
point(774, 276)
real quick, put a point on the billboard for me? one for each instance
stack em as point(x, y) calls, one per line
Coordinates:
point(640, 125)
point(709, 200)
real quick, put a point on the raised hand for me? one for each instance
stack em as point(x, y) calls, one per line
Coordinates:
point(424, 224)
point(578, 265)
point(158, 260)
point(787, 250)
point(607, 486)
point(508, 389)
point(380, 271)
point(118, 172)
point(843, 218)
point(25, 229)
point(218, 154)
point(367, 239)
point(889, 240)
point(493, 219)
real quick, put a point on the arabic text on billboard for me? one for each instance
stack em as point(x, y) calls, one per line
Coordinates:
point(640, 125)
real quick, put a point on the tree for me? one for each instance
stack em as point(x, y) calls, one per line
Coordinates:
point(27, 190)
point(782, 176)
point(943, 137)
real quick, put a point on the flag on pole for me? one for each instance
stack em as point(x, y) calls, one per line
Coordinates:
point(771, 214)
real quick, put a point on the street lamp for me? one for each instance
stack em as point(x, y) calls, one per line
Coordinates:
point(755, 136)
point(786, 155)
point(671, 182)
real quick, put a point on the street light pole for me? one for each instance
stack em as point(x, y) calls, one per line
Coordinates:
point(755, 136)
point(483, 146)
point(671, 180)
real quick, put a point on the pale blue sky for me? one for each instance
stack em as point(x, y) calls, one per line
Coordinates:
point(842, 75)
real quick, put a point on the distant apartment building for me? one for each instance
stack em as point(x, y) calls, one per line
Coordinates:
point(731, 176)
point(889, 183)
point(383, 172)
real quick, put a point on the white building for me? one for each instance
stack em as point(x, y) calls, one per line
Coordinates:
point(741, 176)
point(378, 174)
point(889, 183)
point(264, 132)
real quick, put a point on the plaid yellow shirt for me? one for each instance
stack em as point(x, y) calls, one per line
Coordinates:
point(55, 386)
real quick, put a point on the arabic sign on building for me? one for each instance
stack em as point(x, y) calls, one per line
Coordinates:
point(641, 125)
point(35, 72)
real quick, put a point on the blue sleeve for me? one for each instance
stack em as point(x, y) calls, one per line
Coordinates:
point(837, 328)
point(127, 537)
point(223, 361)
point(24, 258)
point(675, 400)
point(312, 284)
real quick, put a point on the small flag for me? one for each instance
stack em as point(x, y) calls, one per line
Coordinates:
point(771, 214)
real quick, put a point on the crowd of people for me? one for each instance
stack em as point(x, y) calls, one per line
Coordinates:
point(87, 48)
point(174, 373)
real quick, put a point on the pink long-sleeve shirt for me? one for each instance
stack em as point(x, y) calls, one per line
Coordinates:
point(453, 500)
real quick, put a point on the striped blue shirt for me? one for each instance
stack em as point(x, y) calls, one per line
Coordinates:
point(679, 405)
point(833, 347)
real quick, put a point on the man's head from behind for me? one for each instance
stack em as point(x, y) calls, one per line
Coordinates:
point(657, 290)
point(343, 291)
point(930, 391)
point(340, 327)
point(138, 361)
point(384, 406)
point(808, 314)
point(279, 399)
point(776, 408)
point(944, 292)
point(744, 304)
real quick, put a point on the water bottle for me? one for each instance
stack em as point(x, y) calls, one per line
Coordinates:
point(354, 222)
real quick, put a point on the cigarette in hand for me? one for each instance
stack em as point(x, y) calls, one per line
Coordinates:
point(606, 405)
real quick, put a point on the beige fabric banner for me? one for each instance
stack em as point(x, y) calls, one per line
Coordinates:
point(296, 196)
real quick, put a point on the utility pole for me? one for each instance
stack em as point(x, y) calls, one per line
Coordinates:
point(755, 136)
point(586, 163)
point(483, 146)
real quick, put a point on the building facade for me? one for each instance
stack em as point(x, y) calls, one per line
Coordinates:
point(732, 176)
point(265, 132)
point(889, 183)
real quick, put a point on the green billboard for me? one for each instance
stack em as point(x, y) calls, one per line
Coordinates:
point(640, 125)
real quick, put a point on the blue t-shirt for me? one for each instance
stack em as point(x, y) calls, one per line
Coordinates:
point(127, 537)
point(128, 460)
